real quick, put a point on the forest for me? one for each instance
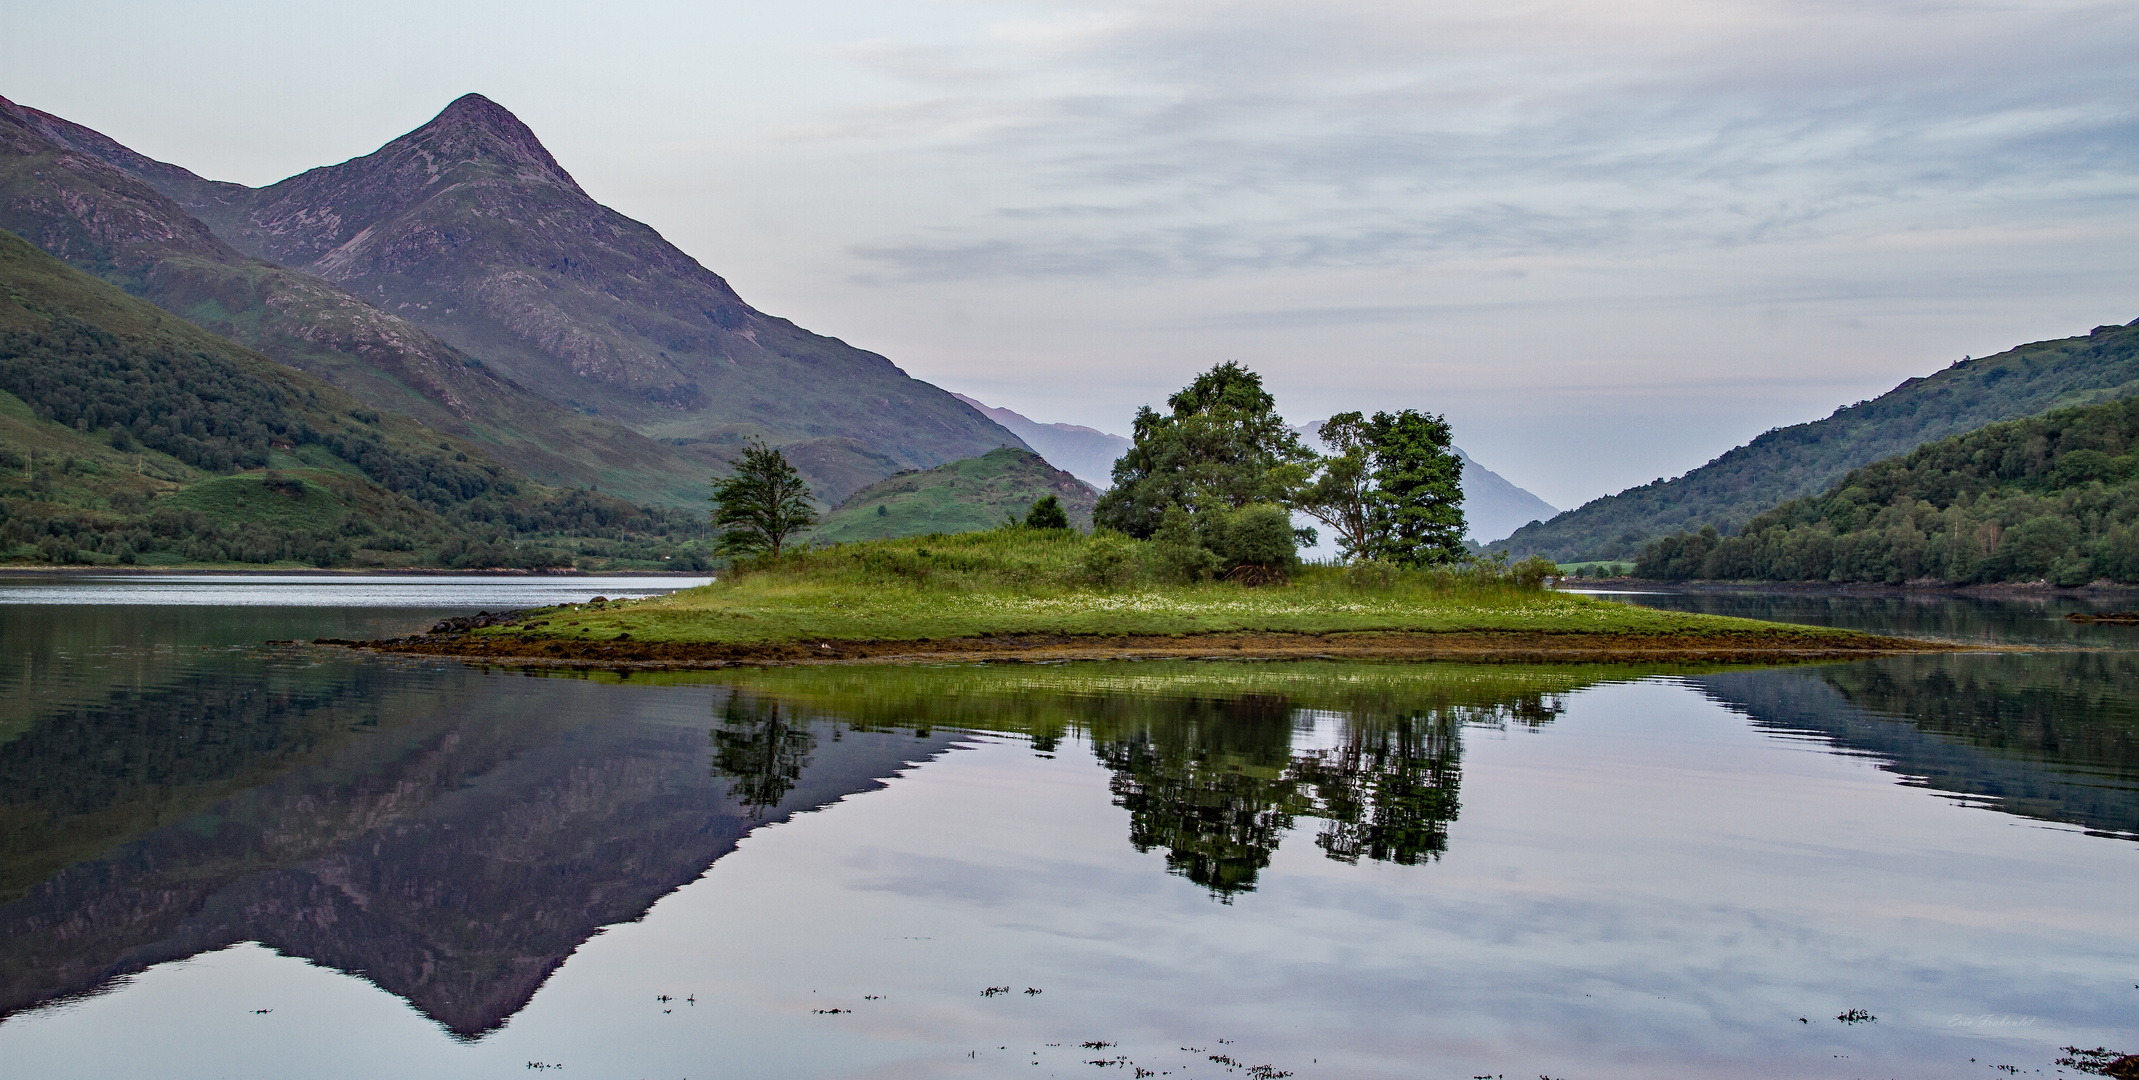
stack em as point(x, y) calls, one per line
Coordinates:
point(2048, 498)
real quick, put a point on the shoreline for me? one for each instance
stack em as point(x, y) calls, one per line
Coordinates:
point(73, 569)
point(2000, 590)
point(1511, 646)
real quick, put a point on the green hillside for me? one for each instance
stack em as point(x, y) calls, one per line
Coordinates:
point(2051, 497)
point(1804, 459)
point(977, 493)
point(131, 436)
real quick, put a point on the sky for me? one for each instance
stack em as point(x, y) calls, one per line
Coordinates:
point(1607, 241)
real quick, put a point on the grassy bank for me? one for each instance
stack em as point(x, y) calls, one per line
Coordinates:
point(1047, 594)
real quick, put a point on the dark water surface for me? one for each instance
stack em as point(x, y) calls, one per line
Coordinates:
point(223, 858)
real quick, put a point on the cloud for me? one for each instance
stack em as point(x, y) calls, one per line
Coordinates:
point(1211, 138)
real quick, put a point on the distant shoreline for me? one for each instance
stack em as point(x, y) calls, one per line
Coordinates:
point(2015, 590)
point(313, 571)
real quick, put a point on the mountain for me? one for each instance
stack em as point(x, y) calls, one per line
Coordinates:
point(1088, 453)
point(468, 228)
point(1792, 462)
point(59, 188)
point(977, 493)
point(128, 435)
point(1492, 506)
point(2051, 497)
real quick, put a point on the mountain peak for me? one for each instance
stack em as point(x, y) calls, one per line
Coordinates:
point(476, 129)
point(475, 110)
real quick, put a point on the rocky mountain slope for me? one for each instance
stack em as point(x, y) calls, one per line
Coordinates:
point(977, 493)
point(1803, 459)
point(468, 228)
point(60, 189)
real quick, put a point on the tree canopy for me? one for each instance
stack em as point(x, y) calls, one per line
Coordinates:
point(1221, 447)
point(1391, 489)
point(762, 503)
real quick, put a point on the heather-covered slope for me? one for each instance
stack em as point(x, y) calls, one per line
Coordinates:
point(962, 496)
point(1800, 460)
point(61, 188)
point(468, 227)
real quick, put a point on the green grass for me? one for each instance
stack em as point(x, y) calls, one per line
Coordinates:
point(307, 504)
point(1019, 581)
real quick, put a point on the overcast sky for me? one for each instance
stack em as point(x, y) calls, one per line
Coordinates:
point(1608, 240)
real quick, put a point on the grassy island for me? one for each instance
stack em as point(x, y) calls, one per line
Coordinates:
point(1044, 594)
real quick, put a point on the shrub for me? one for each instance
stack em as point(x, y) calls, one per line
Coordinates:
point(1107, 561)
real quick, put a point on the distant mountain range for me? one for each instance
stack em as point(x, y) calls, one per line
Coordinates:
point(1804, 459)
point(1086, 453)
point(460, 275)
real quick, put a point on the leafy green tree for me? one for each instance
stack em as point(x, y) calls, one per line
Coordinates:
point(1047, 513)
point(1342, 494)
point(1221, 447)
point(761, 504)
point(1417, 505)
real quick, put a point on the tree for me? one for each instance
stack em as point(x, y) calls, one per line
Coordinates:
point(1222, 447)
point(763, 503)
point(1047, 513)
point(1417, 508)
point(1342, 495)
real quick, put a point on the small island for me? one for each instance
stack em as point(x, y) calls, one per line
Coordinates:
point(1036, 594)
point(1194, 552)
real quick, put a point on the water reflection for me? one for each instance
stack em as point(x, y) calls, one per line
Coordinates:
point(762, 747)
point(2051, 735)
point(454, 835)
point(1215, 764)
point(450, 835)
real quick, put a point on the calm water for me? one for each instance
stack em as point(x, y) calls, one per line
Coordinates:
point(223, 858)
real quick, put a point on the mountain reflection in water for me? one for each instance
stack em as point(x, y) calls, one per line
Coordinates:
point(454, 835)
point(2051, 734)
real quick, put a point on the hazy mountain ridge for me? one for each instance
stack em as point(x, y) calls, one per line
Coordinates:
point(469, 228)
point(1803, 459)
point(1088, 453)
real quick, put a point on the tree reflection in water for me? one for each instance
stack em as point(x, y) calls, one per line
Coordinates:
point(761, 749)
point(1217, 785)
point(1212, 776)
